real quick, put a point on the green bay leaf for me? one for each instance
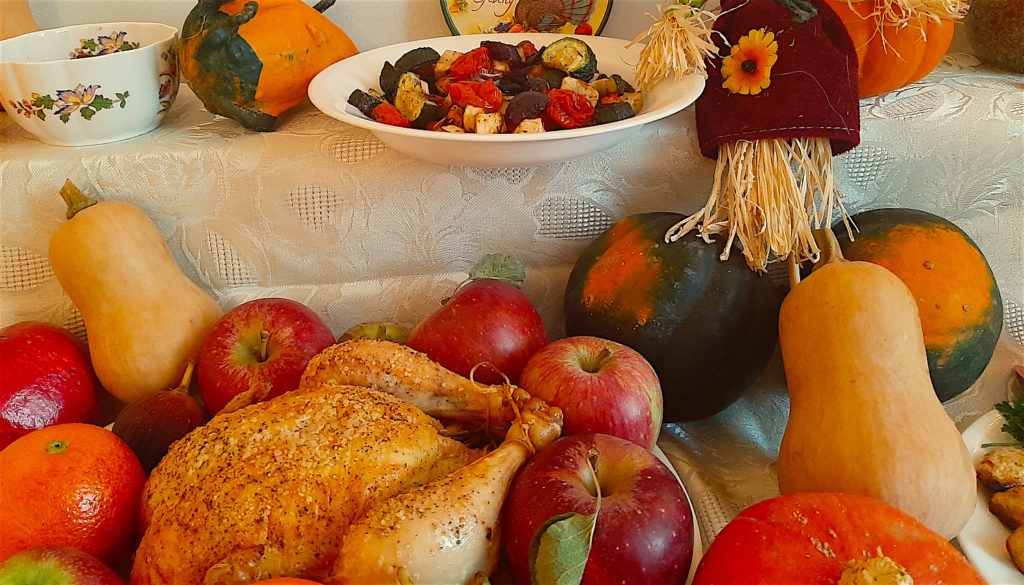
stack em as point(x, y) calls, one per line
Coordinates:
point(559, 551)
point(500, 266)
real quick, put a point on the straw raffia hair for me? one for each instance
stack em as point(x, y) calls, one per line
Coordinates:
point(678, 42)
point(769, 194)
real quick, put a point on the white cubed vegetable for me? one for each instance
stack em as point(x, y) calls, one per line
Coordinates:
point(605, 86)
point(530, 126)
point(488, 123)
point(469, 117)
point(581, 87)
point(444, 63)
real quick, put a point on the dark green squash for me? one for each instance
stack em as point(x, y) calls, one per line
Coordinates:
point(957, 296)
point(708, 327)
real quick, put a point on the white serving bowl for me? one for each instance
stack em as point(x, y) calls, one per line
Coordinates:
point(116, 93)
point(330, 89)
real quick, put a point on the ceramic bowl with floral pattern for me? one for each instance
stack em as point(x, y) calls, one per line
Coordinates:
point(90, 83)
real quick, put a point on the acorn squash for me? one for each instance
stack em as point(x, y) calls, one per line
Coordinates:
point(707, 326)
point(957, 296)
point(251, 60)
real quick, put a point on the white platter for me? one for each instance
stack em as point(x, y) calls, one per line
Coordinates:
point(983, 540)
point(330, 89)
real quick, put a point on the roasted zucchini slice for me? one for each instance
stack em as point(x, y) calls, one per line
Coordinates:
point(418, 61)
point(622, 86)
point(389, 80)
point(413, 103)
point(572, 56)
point(364, 102)
point(608, 113)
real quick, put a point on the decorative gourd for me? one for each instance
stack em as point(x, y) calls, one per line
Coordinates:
point(145, 319)
point(957, 296)
point(864, 418)
point(814, 538)
point(894, 48)
point(251, 60)
point(708, 327)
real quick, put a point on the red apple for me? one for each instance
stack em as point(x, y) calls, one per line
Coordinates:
point(600, 385)
point(67, 566)
point(263, 341)
point(487, 320)
point(644, 529)
point(46, 379)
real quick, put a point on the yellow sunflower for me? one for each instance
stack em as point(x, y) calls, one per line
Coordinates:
point(748, 68)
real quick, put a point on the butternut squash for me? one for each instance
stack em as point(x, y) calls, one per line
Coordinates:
point(145, 319)
point(864, 418)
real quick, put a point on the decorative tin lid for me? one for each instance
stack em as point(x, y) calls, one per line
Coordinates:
point(556, 16)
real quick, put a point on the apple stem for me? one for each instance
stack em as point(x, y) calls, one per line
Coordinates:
point(186, 378)
point(598, 362)
point(264, 338)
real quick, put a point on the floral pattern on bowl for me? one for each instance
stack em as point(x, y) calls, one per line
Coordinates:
point(103, 45)
point(168, 79)
point(83, 99)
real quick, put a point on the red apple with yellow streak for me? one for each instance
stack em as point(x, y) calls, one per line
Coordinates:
point(263, 341)
point(600, 385)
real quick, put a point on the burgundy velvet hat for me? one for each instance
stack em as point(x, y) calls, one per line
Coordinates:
point(780, 101)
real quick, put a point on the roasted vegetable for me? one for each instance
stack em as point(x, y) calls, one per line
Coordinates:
point(419, 61)
point(389, 80)
point(572, 56)
point(502, 51)
point(412, 101)
point(528, 104)
point(612, 113)
point(364, 102)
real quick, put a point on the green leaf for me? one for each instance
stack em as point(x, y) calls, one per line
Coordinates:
point(102, 103)
point(41, 115)
point(65, 117)
point(89, 44)
point(501, 267)
point(87, 113)
point(1013, 413)
point(43, 101)
point(560, 549)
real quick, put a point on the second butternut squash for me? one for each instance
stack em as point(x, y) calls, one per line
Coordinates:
point(864, 418)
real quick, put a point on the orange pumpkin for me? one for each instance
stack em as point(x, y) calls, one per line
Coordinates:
point(813, 538)
point(891, 54)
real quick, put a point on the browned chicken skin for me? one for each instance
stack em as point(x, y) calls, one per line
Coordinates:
point(272, 489)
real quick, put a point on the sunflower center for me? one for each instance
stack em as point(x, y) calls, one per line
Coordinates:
point(749, 66)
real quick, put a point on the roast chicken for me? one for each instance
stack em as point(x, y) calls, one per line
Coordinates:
point(355, 477)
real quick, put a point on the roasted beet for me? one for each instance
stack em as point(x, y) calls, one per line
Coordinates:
point(526, 105)
point(502, 51)
point(510, 86)
point(537, 84)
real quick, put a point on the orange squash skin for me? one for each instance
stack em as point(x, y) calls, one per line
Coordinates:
point(806, 538)
point(904, 56)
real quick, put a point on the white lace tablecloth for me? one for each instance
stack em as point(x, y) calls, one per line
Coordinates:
point(326, 214)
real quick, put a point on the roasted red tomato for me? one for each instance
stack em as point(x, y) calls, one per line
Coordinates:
point(385, 113)
point(569, 109)
point(470, 64)
point(482, 94)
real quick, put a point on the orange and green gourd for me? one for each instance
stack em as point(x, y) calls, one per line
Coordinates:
point(957, 296)
point(253, 60)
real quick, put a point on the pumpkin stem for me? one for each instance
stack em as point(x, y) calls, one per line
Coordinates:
point(829, 245)
point(323, 5)
point(186, 379)
point(246, 14)
point(76, 200)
